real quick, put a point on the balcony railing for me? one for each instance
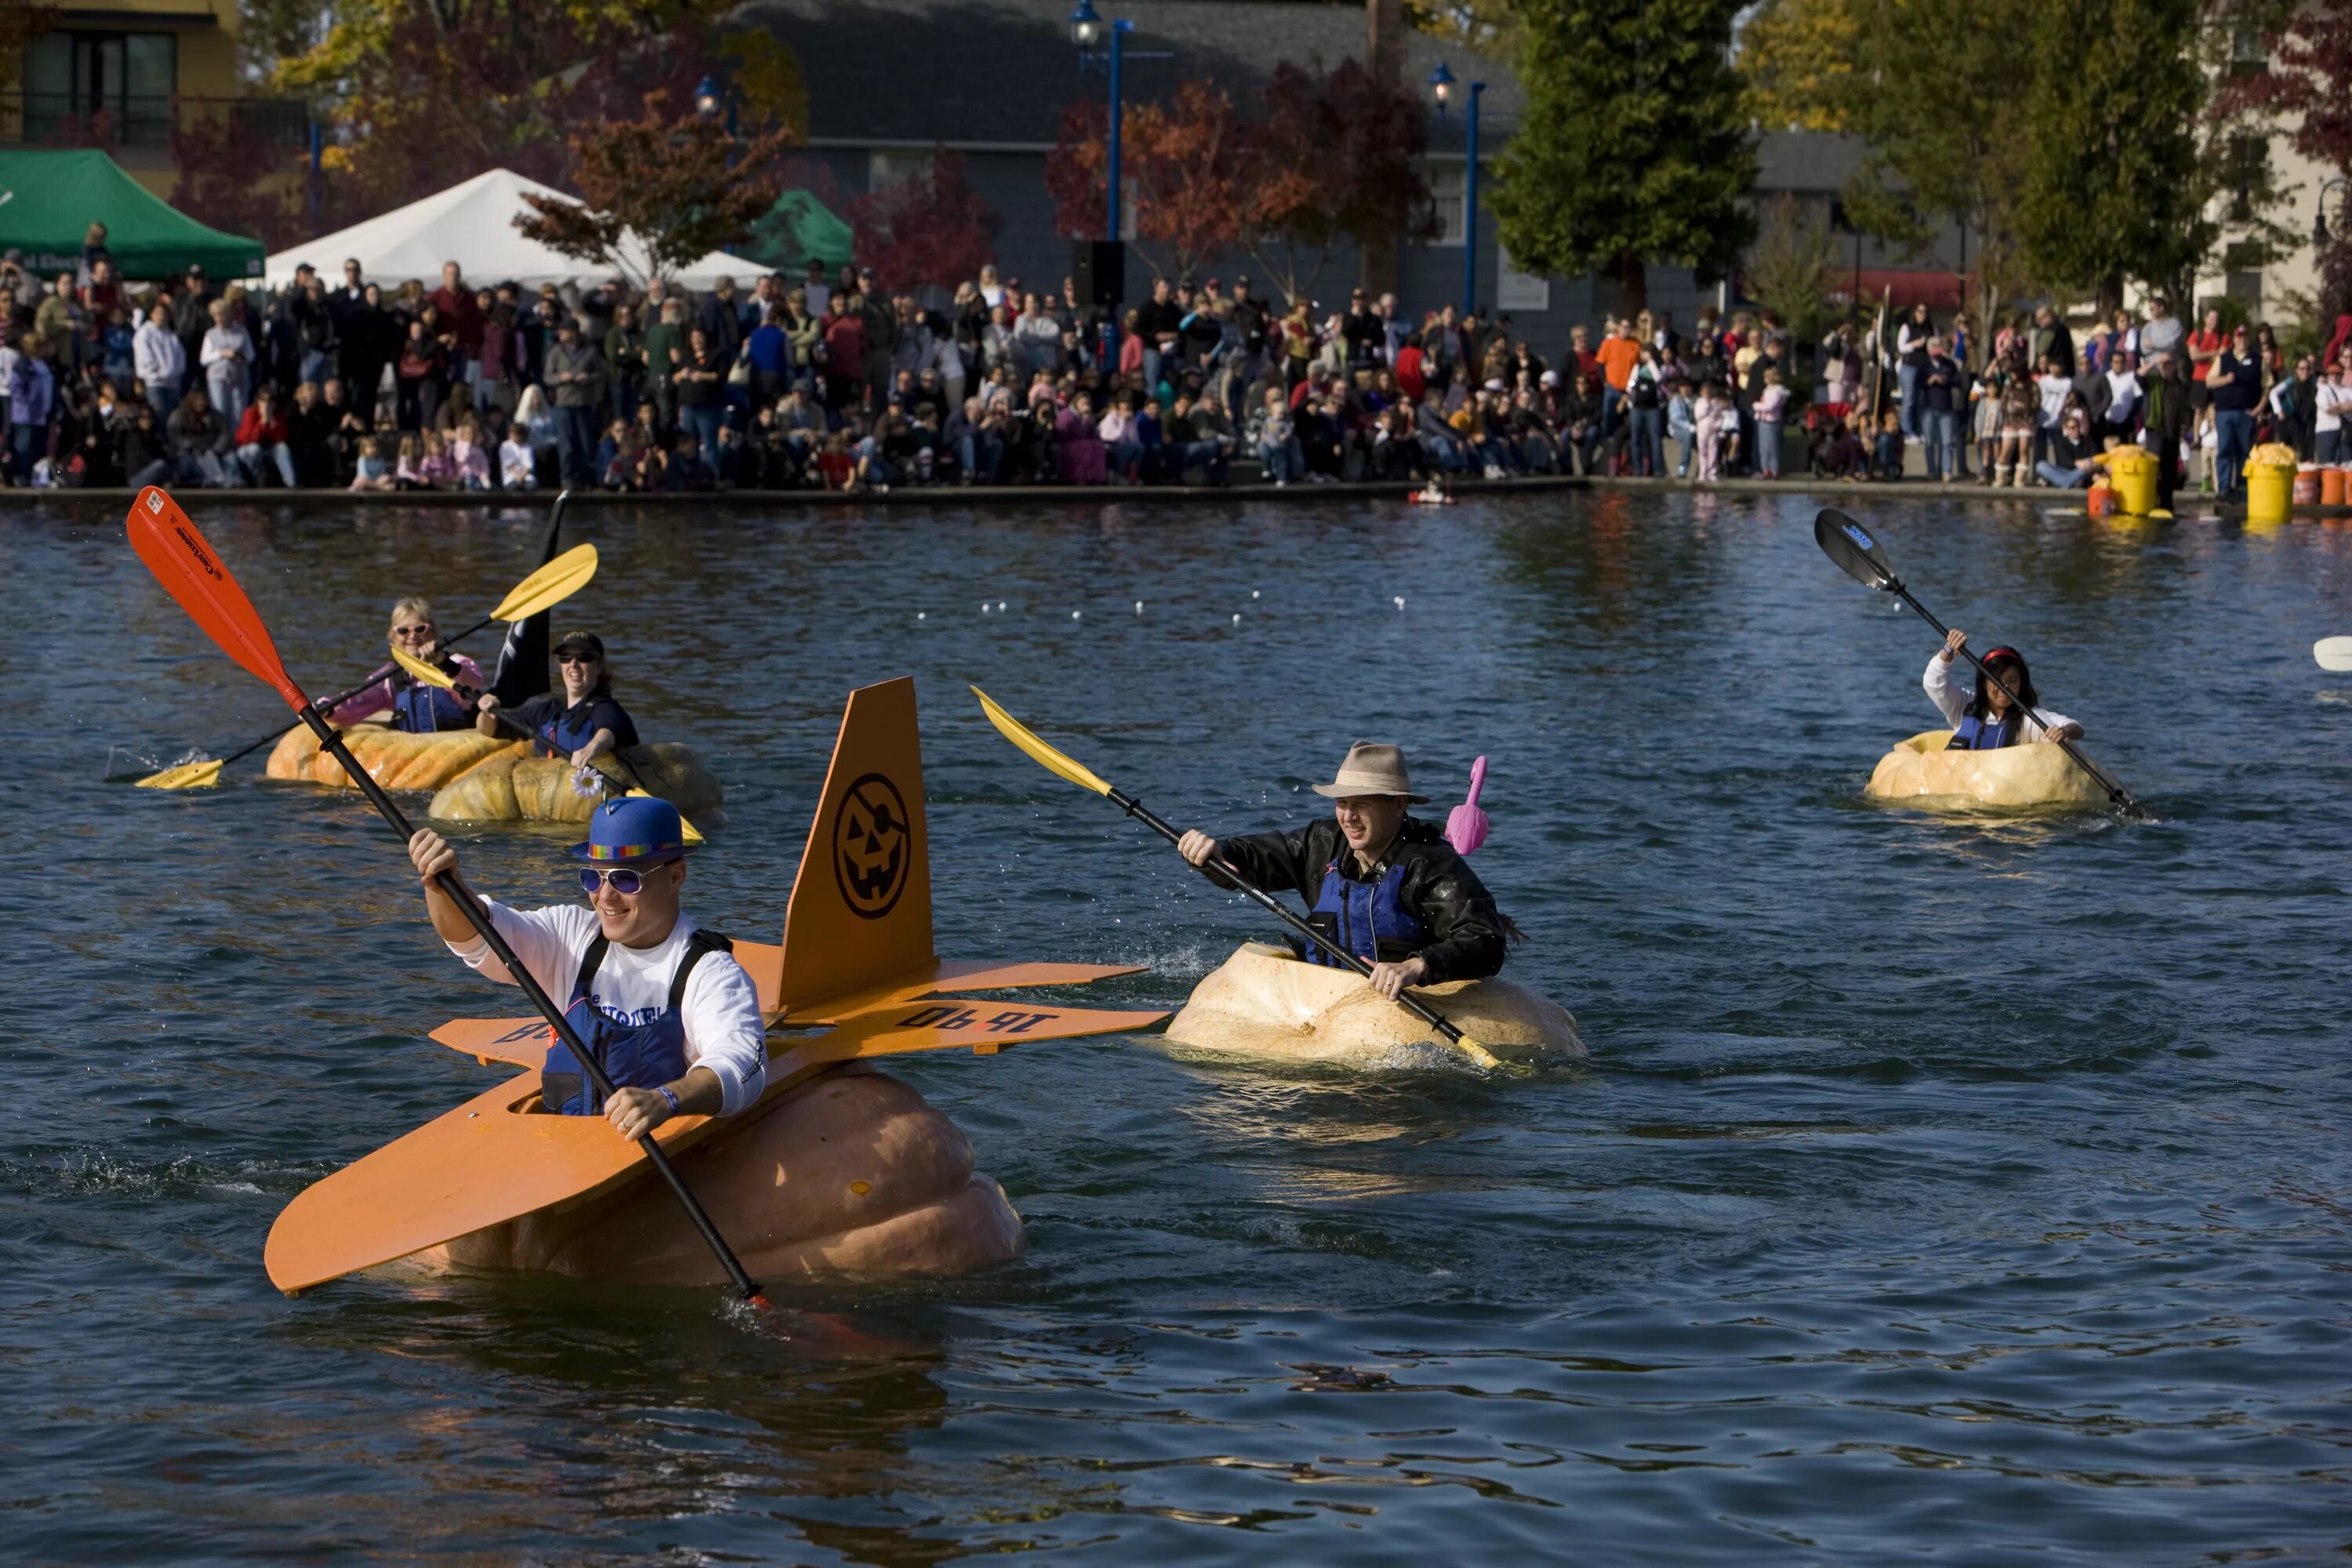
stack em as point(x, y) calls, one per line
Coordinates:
point(70, 120)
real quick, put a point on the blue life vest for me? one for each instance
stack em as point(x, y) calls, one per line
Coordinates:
point(1361, 916)
point(1975, 735)
point(635, 1055)
point(421, 710)
point(563, 735)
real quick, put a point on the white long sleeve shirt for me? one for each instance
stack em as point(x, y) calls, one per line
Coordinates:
point(723, 1028)
point(224, 342)
point(156, 354)
point(1953, 704)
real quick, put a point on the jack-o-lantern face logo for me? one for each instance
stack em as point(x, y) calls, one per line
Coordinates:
point(873, 847)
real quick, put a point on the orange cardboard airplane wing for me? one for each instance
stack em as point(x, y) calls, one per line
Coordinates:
point(480, 1164)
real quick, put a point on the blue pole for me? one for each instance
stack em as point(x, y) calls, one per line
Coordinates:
point(1470, 210)
point(1117, 32)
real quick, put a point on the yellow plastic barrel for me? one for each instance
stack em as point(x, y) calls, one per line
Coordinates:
point(2270, 492)
point(2132, 472)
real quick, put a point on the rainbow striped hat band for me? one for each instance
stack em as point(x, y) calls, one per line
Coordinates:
point(633, 830)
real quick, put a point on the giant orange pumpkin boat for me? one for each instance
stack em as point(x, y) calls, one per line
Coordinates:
point(838, 1169)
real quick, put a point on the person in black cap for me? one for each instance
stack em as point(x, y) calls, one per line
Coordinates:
point(585, 722)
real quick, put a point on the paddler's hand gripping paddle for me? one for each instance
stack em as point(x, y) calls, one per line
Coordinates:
point(1860, 557)
point(184, 562)
point(1054, 762)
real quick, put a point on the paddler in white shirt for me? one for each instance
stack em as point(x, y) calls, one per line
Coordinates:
point(1986, 719)
point(672, 1016)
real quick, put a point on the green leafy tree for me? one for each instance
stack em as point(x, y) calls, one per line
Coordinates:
point(1793, 269)
point(1635, 147)
point(1798, 57)
point(2119, 196)
point(1949, 153)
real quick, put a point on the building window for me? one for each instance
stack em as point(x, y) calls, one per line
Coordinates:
point(1446, 201)
point(71, 78)
point(2248, 165)
point(888, 166)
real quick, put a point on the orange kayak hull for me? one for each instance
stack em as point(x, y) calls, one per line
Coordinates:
point(850, 1174)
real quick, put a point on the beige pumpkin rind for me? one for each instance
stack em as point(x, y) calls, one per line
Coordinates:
point(1262, 1002)
point(1921, 771)
point(393, 758)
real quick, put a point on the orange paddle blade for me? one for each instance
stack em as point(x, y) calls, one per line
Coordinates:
point(191, 573)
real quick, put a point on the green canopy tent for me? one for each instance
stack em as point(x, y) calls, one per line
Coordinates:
point(49, 199)
point(797, 230)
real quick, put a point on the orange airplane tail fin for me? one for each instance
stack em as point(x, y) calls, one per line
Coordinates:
point(860, 915)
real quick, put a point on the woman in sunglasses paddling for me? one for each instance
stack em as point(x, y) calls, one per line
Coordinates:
point(585, 722)
point(1987, 719)
point(415, 706)
point(663, 1003)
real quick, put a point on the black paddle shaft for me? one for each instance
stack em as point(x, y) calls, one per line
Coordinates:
point(332, 742)
point(1258, 896)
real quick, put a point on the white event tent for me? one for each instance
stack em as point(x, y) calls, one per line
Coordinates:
point(472, 225)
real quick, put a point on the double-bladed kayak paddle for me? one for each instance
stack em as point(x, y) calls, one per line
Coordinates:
point(185, 564)
point(1054, 762)
point(1861, 557)
point(544, 589)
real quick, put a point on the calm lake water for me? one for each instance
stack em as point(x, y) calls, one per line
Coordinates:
point(1973, 1189)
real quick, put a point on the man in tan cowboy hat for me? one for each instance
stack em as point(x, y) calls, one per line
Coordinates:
point(1380, 883)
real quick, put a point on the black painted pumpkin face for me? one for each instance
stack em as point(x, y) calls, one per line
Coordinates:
point(872, 846)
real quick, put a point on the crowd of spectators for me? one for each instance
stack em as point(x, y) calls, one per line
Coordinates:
point(832, 383)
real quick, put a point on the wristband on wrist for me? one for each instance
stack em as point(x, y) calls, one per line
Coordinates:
point(671, 1095)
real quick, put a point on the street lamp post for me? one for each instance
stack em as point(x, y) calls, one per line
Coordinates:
point(709, 99)
point(2319, 218)
point(1441, 87)
point(1089, 30)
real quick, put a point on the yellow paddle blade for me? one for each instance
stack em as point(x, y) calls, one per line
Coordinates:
point(1478, 1054)
point(185, 775)
point(423, 672)
point(1052, 760)
point(691, 835)
point(549, 585)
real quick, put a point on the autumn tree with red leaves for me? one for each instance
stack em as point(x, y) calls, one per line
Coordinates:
point(2309, 75)
point(679, 183)
point(419, 95)
point(928, 229)
point(1335, 161)
point(1185, 161)
point(233, 176)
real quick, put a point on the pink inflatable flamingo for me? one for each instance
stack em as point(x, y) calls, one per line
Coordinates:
point(1466, 826)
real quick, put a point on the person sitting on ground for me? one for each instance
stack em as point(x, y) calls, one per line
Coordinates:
point(585, 722)
point(1989, 718)
point(374, 471)
point(2073, 455)
point(672, 1016)
point(1380, 883)
point(415, 706)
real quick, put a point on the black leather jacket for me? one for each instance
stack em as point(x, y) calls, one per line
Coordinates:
point(1439, 888)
